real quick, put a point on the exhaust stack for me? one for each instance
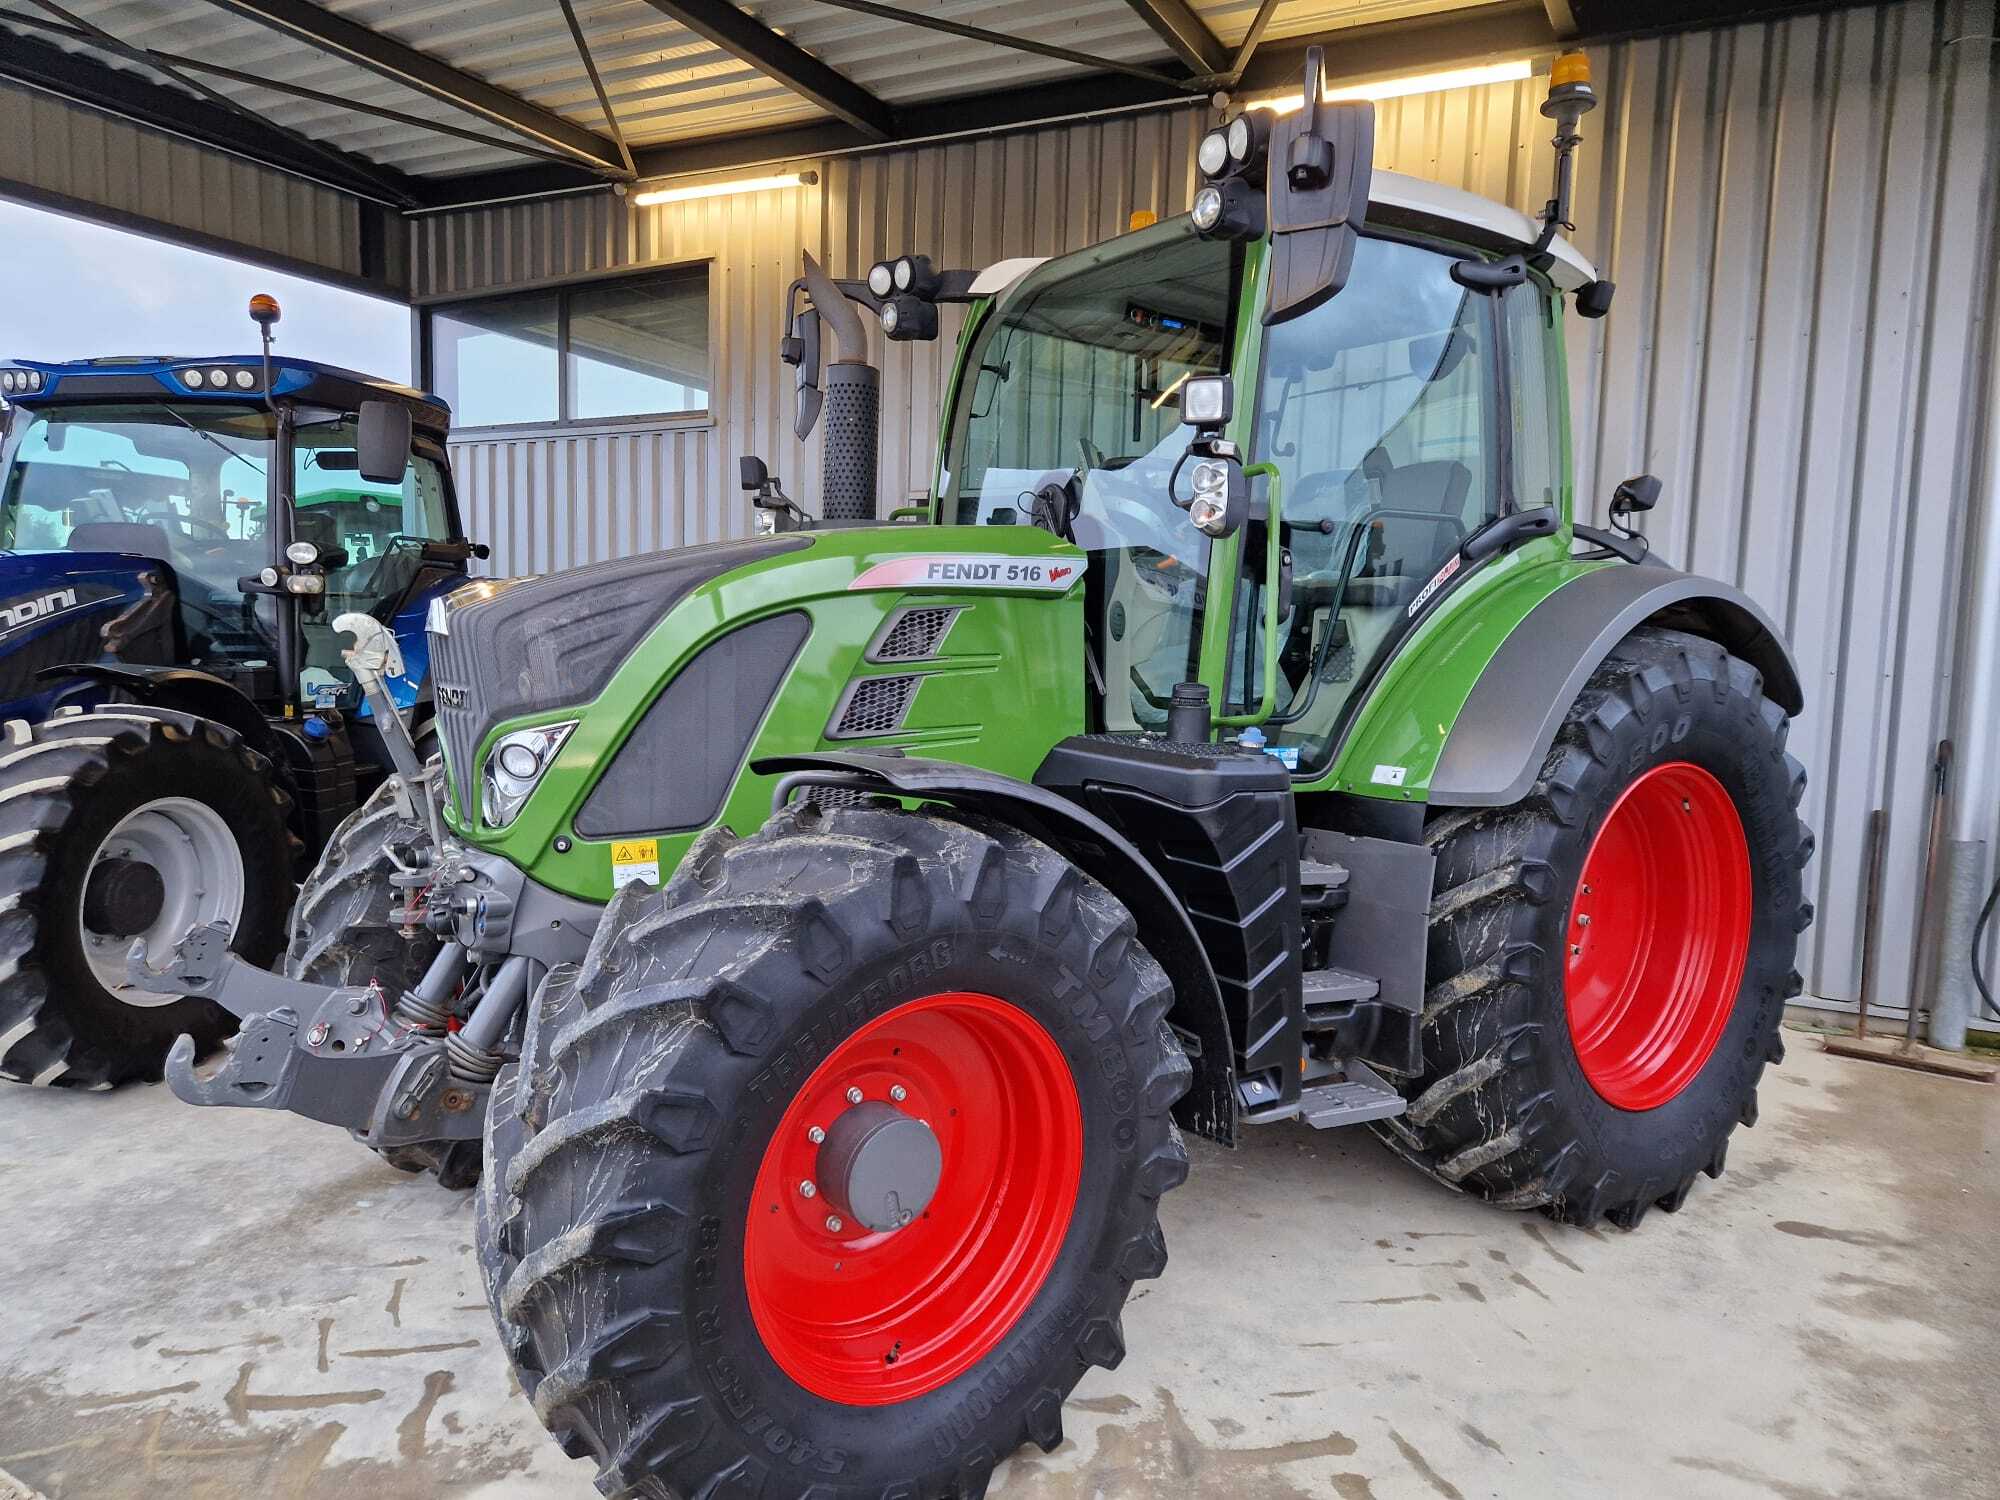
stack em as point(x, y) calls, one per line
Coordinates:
point(850, 465)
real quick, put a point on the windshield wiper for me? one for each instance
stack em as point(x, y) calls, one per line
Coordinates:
point(208, 437)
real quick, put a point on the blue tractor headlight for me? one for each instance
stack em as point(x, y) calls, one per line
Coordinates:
point(514, 768)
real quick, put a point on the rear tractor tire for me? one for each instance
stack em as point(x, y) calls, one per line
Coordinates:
point(128, 822)
point(1610, 957)
point(343, 933)
point(830, 1168)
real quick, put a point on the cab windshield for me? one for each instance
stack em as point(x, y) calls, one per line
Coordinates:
point(1071, 418)
point(186, 483)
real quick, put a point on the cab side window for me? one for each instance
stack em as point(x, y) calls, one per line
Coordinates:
point(1540, 399)
point(1379, 409)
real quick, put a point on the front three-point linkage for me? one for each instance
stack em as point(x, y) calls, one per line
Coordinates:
point(338, 1054)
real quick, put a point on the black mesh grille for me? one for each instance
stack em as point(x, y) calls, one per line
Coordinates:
point(457, 715)
point(838, 796)
point(915, 635)
point(875, 705)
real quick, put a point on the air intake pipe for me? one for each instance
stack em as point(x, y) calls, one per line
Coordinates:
point(850, 465)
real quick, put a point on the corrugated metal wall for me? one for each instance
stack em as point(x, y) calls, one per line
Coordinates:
point(63, 155)
point(1801, 219)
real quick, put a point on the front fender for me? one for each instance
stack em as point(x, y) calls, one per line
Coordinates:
point(1100, 851)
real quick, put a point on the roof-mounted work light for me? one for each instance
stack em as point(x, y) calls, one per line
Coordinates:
point(906, 292)
point(1230, 202)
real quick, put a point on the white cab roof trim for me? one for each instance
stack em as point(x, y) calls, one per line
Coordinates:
point(1003, 274)
point(1413, 195)
point(1436, 201)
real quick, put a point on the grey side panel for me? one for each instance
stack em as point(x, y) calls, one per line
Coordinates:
point(678, 764)
point(1384, 928)
point(1495, 749)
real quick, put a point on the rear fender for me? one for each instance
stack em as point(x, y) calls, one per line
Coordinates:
point(1500, 737)
point(1100, 851)
point(191, 691)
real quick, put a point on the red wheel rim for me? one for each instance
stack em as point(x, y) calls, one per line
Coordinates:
point(869, 1317)
point(1658, 934)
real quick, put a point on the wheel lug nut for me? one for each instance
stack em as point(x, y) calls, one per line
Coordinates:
point(898, 1093)
point(833, 1224)
point(853, 1095)
point(815, 1135)
point(1583, 919)
point(808, 1188)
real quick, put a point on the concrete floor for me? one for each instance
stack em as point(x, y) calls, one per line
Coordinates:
point(226, 1304)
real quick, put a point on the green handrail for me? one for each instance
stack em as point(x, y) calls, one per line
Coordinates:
point(1273, 556)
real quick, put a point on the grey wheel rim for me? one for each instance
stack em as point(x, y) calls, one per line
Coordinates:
point(201, 869)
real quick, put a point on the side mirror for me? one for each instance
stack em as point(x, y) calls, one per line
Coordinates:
point(382, 442)
point(1323, 160)
point(1639, 493)
point(801, 350)
point(752, 473)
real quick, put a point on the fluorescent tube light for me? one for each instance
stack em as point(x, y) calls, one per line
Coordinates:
point(724, 189)
point(1415, 83)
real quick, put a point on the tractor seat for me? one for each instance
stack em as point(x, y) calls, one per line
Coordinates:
point(1437, 485)
point(1386, 592)
point(138, 537)
point(1320, 590)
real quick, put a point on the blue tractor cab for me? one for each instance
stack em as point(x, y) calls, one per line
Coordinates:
point(177, 537)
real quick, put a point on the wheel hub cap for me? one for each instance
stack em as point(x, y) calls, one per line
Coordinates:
point(123, 897)
point(913, 1199)
point(879, 1166)
point(167, 866)
point(1659, 931)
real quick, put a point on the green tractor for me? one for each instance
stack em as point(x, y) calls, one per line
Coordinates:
point(831, 935)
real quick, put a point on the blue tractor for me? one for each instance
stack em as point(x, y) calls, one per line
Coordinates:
point(180, 735)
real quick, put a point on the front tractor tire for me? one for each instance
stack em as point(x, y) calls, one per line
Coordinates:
point(830, 1168)
point(129, 822)
point(1610, 958)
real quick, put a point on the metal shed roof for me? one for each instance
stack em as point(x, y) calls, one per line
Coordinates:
point(408, 98)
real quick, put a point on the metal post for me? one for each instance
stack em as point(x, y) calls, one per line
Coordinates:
point(1952, 990)
point(1920, 964)
point(1871, 918)
point(1976, 818)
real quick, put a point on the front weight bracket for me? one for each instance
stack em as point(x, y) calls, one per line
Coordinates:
point(329, 1053)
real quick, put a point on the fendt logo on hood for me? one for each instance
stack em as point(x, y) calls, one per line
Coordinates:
point(27, 611)
point(450, 696)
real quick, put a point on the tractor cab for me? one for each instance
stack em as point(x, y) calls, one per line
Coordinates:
point(1399, 420)
point(217, 515)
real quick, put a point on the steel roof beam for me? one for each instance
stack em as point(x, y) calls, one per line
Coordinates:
point(338, 37)
point(749, 40)
point(227, 127)
point(1176, 24)
point(1012, 43)
point(513, 146)
point(597, 85)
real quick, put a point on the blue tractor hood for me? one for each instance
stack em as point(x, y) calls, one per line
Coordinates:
point(58, 607)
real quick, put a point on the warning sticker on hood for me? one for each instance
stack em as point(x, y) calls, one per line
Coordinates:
point(971, 570)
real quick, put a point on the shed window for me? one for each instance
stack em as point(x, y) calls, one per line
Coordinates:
point(629, 348)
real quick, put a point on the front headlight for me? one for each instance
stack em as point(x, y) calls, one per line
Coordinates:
point(515, 765)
